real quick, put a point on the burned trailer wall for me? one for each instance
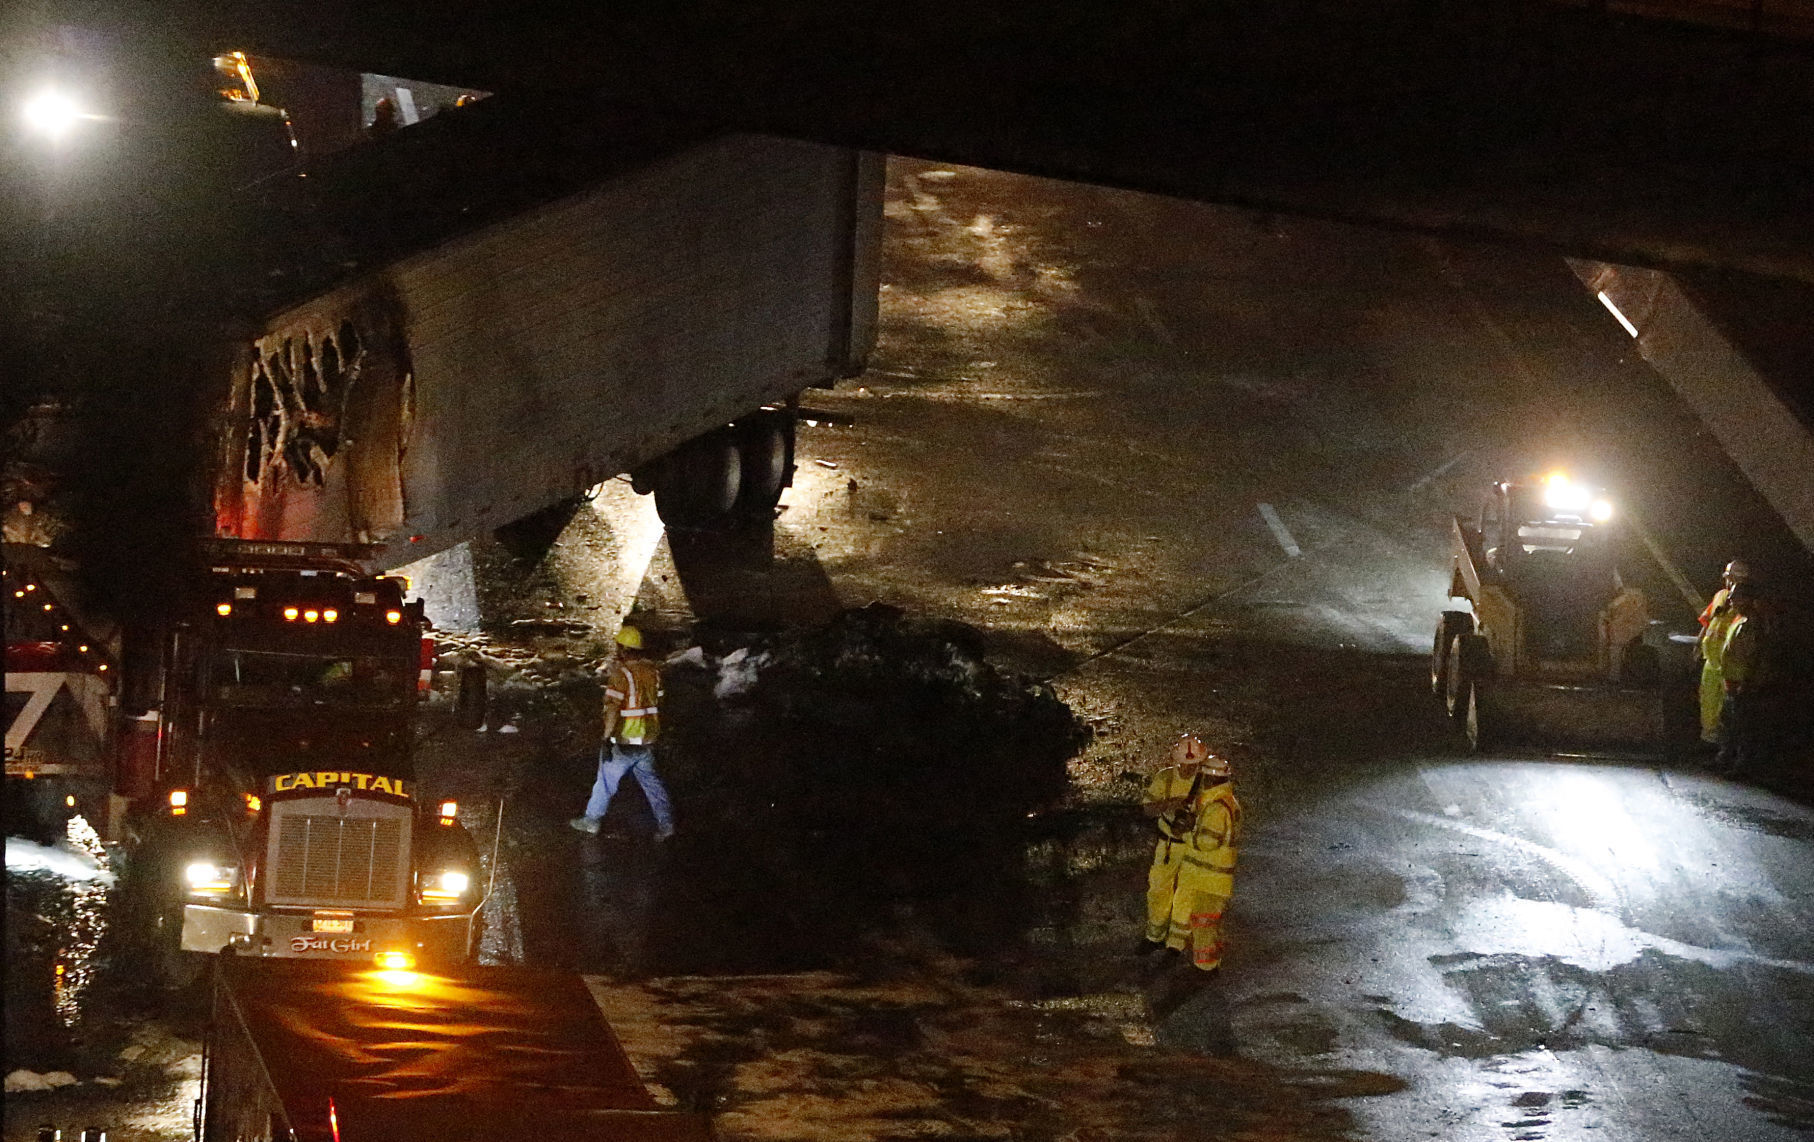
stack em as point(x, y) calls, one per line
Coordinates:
point(471, 384)
point(314, 444)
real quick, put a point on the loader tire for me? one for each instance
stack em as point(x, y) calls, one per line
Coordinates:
point(1470, 664)
point(1474, 726)
point(1453, 623)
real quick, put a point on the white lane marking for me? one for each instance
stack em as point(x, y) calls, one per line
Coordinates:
point(1437, 472)
point(1278, 531)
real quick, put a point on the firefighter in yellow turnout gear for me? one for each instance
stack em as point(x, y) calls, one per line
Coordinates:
point(1192, 877)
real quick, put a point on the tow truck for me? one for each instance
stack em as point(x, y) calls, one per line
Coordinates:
point(305, 1052)
point(61, 733)
point(1555, 648)
point(288, 820)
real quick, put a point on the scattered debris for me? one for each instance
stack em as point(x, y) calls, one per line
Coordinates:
point(23, 1080)
point(737, 673)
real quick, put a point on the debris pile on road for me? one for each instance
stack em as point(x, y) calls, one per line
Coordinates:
point(876, 763)
point(886, 715)
point(18, 1081)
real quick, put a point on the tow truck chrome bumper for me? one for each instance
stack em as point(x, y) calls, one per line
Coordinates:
point(446, 938)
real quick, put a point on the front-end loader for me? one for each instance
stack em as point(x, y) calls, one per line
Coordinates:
point(1551, 650)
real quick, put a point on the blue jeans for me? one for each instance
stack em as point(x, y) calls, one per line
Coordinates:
point(614, 761)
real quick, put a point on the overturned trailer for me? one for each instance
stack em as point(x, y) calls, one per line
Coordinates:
point(659, 317)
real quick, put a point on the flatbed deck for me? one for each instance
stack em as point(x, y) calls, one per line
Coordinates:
point(315, 1051)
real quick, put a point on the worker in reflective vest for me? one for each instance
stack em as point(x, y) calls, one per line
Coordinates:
point(632, 722)
point(1192, 876)
point(1716, 624)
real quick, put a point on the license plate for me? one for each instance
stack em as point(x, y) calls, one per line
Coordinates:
point(330, 924)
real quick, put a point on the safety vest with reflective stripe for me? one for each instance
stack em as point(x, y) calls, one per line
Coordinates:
point(636, 689)
point(1717, 619)
point(1215, 840)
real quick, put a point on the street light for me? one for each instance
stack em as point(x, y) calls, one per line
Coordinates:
point(53, 114)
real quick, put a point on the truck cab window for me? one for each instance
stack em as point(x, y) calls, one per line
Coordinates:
point(261, 678)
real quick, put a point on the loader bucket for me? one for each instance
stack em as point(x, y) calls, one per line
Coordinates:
point(1570, 716)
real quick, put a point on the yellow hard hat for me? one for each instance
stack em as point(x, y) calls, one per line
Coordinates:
point(629, 636)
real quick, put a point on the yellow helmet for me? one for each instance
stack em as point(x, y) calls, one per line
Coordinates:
point(629, 636)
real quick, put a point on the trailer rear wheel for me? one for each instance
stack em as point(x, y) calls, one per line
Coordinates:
point(766, 446)
point(1453, 623)
point(698, 483)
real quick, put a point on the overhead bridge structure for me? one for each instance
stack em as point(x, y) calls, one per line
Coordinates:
point(1650, 132)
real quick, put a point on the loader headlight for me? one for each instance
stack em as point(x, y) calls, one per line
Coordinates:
point(206, 878)
point(446, 886)
point(1563, 494)
point(1601, 511)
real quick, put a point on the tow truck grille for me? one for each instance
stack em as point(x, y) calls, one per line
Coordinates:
point(324, 858)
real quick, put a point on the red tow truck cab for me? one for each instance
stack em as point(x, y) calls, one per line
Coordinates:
point(287, 722)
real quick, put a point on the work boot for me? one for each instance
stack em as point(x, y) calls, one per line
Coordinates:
point(585, 825)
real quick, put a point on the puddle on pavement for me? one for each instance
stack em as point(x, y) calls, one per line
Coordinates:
point(57, 917)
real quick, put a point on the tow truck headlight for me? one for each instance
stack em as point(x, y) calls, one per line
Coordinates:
point(207, 878)
point(450, 884)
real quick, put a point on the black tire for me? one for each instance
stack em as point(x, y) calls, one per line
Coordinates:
point(1454, 682)
point(1452, 623)
point(1470, 665)
point(698, 483)
point(766, 446)
point(1474, 728)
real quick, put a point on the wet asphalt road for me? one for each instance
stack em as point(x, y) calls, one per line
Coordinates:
point(1539, 948)
point(1195, 466)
